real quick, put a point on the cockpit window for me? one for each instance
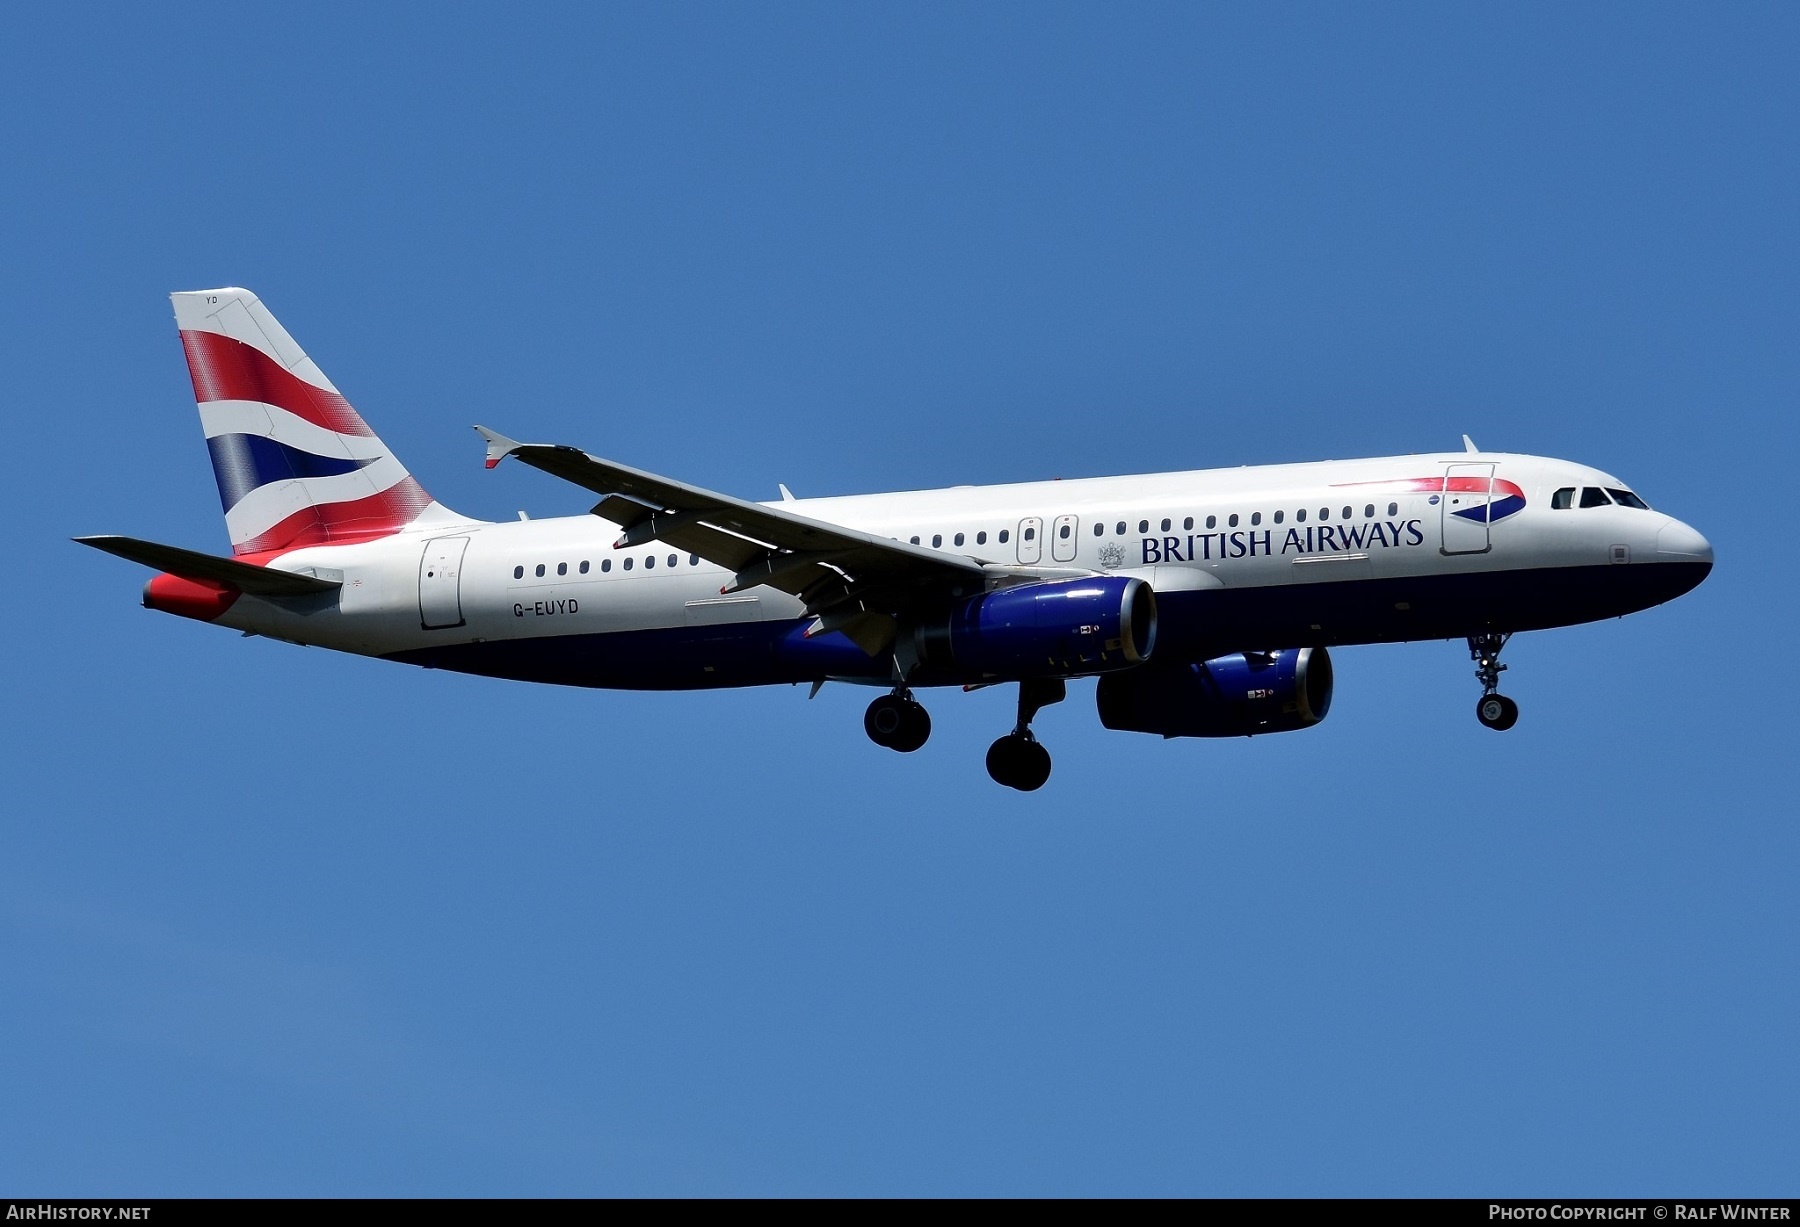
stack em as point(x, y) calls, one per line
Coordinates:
point(1563, 499)
point(1626, 498)
point(1594, 496)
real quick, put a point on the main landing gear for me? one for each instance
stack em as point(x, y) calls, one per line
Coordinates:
point(1017, 760)
point(897, 721)
point(1493, 709)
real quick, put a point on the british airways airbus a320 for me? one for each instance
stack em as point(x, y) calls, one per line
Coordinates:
point(1204, 602)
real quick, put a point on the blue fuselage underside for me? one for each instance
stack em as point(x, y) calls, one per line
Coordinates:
point(1192, 626)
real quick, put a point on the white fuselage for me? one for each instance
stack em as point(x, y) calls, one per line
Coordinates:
point(1315, 550)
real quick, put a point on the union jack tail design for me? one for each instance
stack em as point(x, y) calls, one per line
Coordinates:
point(296, 465)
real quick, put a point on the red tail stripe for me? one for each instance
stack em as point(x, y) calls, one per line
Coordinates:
point(341, 523)
point(224, 369)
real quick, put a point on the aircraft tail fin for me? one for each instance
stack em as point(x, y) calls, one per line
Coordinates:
point(295, 464)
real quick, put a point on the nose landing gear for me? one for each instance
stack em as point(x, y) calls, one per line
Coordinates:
point(1493, 709)
point(897, 721)
point(1017, 760)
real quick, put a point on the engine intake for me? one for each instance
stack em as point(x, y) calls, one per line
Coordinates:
point(1062, 628)
point(1232, 696)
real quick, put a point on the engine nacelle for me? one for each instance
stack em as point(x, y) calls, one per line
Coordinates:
point(1061, 628)
point(1232, 696)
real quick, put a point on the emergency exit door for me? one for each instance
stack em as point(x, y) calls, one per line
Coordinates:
point(1031, 540)
point(1464, 505)
point(440, 583)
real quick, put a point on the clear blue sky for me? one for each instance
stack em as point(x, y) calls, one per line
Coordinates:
point(275, 921)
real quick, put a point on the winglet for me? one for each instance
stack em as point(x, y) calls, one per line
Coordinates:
point(499, 446)
point(1468, 446)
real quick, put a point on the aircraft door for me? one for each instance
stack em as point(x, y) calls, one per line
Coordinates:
point(1031, 541)
point(1464, 507)
point(1063, 538)
point(440, 583)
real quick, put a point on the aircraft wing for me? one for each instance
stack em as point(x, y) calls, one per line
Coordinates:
point(846, 576)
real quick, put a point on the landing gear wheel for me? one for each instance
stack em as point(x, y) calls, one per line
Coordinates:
point(915, 730)
point(897, 722)
point(1493, 709)
point(1018, 761)
point(1496, 711)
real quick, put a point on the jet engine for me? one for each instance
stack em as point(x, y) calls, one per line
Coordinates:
point(1232, 696)
point(1062, 628)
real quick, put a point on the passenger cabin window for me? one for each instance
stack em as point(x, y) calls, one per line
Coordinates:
point(1099, 530)
point(959, 538)
point(605, 564)
point(540, 570)
point(1121, 528)
point(1231, 520)
point(915, 541)
point(674, 558)
point(937, 539)
point(584, 566)
point(1212, 521)
point(1563, 499)
point(1393, 509)
point(1031, 534)
point(1300, 516)
point(1143, 526)
point(649, 562)
point(1626, 498)
point(1278, 516)
point(562, 568)
point(1594, 496)
point(1062, 533)
point(627, 564)
point(1255, 517)
point(1348, 512)
point(1166, 523)
point(1369, 512)
point(518, 572)
point(981, 537)
point(1005, 535)
point(1324, 513)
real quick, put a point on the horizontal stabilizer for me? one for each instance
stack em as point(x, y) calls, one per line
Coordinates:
point(191, 564)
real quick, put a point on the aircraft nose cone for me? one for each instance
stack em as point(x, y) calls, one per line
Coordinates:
point(1679, 543)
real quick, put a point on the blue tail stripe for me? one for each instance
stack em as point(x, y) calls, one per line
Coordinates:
point(242, 463)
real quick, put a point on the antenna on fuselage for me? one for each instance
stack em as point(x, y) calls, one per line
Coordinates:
point(1469, 445)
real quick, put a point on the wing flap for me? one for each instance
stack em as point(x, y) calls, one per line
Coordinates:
point(715, 545)
point(625, 512)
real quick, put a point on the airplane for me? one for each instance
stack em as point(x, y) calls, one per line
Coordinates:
point(1206, 603)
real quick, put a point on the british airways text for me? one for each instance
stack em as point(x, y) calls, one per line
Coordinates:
point(1313, 539)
